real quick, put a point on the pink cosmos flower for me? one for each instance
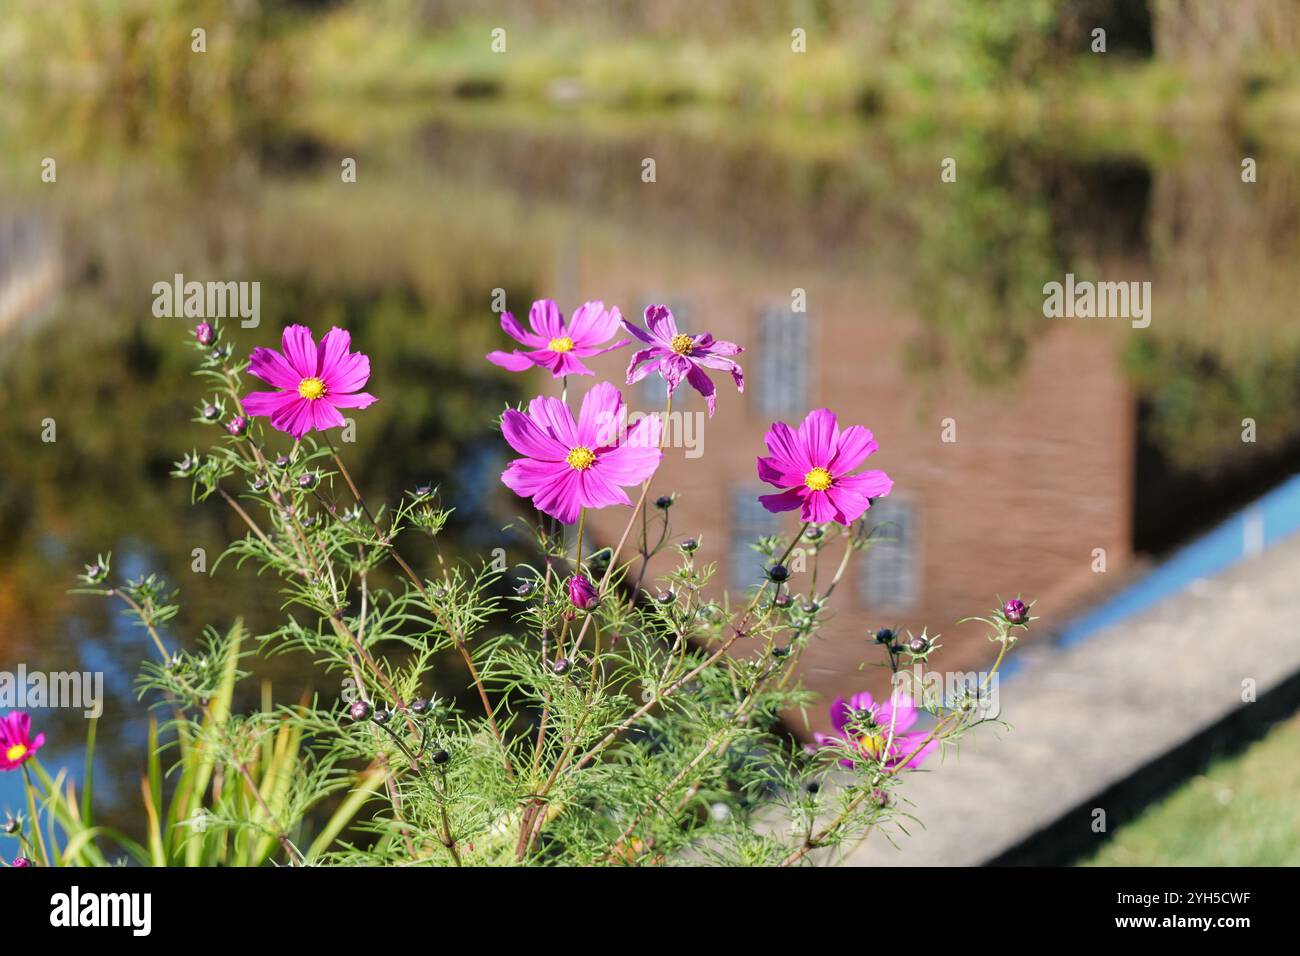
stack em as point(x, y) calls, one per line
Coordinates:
point(569, 466)
point(16, 743)
point(877, 731)
point(813, 465)
point(315, 381)
point(555, 345)
point(676, 355)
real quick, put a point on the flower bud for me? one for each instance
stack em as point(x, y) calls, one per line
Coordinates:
point(582, 593)
point(420, 706)
point(783, 600)
point(11, 826)
point(778, 573)
point(210, 412)
point(561, 666)
point(1015, 611)
point(237, 425)
point(21, 861)
point(307, 481)
point(203, 333)
point(665, 597)
point(664, 502)
point(885, 635)
point(439, 756)
point(360, 710)
point(690, 546)
point(918, 645)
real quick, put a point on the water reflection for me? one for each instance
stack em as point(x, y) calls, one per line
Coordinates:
point(923, 307)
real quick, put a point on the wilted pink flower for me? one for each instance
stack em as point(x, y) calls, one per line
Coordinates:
point(315, 381)
point(877, 731)
point(16, 743)
point(582, 593)
point(569, 466)
point(555, 345)
point(813, 465)
point(676, 355)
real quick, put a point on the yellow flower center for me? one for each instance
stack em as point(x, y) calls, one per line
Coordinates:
point(311, 388)
point(580, 459)
point(16, 752)
point(562, 344)
point(682, 344)
point(819, 479)
point(872, 745)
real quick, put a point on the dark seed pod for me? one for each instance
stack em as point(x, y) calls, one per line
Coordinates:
point(780, 651)
point(439, 757)
point(561, 666)
point(664, 502)
point(884, 636)
point(778, 573)
point(360, 710)
point(420, 706)
point(665, 597)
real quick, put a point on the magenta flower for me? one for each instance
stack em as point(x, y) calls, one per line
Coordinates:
point(582, 594)
point(16, 743)
point(569, 466)
point(21, 861)
point(676, 355)
point(314, 381)
point(878, 732)
point(555, 345)
point(813, 465)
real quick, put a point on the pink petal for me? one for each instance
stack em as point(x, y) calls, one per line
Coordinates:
point(527, 438)
point(293, 417)
point(354, 400)
point(601, 415)
point(546, 320)
point(566, 363)
point(867, 484)
point(586, 351)
point(661, 323)
point(300, 350)
point(650, 357)
point(592, 324)
point(704, 385)
point(819, 434)
point(818, 507)
point(855, 444)
point(271, 367)
point(772, 471)
point(517, 332)
point(787, 449)
point(785, 501)
point(331, 350)
point(325, 415)
point(528, 476)
point(349, 373)
point(598, 491)
point(641, 333)
point(514, 361)
point(267, 403)
point(553, 417)
point(562, 498)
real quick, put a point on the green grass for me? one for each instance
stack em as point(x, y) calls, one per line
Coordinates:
point(1243, 811)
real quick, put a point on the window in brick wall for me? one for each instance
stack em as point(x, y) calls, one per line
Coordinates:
point(890, 570)
point(784, 354)
point(749, 522)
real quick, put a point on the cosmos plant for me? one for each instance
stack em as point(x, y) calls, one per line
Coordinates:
point(585, 705)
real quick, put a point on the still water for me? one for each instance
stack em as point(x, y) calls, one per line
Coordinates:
point(924, 320)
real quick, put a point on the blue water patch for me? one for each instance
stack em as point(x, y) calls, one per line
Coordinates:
point(1245, 534)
